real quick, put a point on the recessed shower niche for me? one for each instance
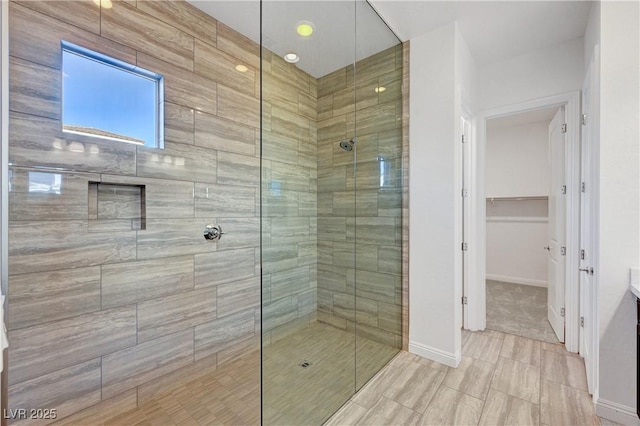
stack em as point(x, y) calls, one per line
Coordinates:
point(116, 206)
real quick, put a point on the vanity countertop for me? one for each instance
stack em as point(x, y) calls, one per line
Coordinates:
point(634, 282)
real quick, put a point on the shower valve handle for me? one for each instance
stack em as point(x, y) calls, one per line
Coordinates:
point(213, 232)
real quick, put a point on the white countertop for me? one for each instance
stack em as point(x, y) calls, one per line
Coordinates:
point(634, 281)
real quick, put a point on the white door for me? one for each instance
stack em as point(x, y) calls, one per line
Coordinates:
point(556, 259)
point(587, 228)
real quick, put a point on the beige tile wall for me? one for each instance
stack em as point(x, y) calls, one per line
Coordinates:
point(101, 310)
point(360, 219)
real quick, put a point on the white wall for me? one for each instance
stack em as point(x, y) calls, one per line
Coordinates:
point(547, 72)
point(517, 162)
point(441, 74)
point(619, 204)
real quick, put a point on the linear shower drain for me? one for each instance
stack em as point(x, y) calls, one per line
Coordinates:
point(305, 364)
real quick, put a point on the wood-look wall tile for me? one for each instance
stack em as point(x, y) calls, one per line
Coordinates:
point(289, 282)
point(287, 230)
point(35, 89)
point(279, 203)
point(277, 258)
point(127, 25)
point(27, 202)
point(238, 107)
point(376, 65)
point(279, 147)
point(67, 390)
point(383, 229)
point(333, 228)
point(238, 296)
point(221, 333)
point(278, 312)
point(134, 366)
point(45, 348)
point(334, 278)
point(173, 237)
point(36, 37)
point(133, 282)
point(241, 232)
point(247, 344)
point(376, 286)
point(308, 204)
point(333, 82)
point(163, 198)
point(178, 122)
point(291, 73)
point(221, 67)
point(161, 386)
point(390, 203)
point(375, 119)
point(84, 14)
point(234, 169)
point(178, 162)
point(277, 90)
point(37, 141)
point(307, 106)
point(183, 16)
point(225, 201)
point(183, 87)
point(289, 177)
point(170, 314)
point(288, 123)
point(49, 296)
point(64, 245)
point(238, 45)
point(224, 266)
point(224, 135)
point(119, 201)
point(122, 403)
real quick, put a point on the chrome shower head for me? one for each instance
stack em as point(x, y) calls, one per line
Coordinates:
point(347, 145)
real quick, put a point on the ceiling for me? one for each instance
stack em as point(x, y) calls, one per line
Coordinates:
point(494, 30)
point(334, 43)
point(535, 116)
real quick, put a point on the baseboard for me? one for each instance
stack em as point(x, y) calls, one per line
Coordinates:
point(617, 413)
point(446, 358)
point(517, 280)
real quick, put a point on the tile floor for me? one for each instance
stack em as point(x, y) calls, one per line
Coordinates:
point(503, 379)
point(519, 309)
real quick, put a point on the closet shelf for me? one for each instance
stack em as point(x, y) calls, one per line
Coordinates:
point(517, 198)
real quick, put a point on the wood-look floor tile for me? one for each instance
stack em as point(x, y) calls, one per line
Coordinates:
point(388, 412)
point(481, 346)
point(517, 379)
point(471, 377)
point(565, 369)
point(347, 415)
point(521, 349)
point(415, 386)
point(372, 391)
point(564, 405)
point(450, 407)
point(502, 409)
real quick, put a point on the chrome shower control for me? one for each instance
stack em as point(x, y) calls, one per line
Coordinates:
point(213, 232)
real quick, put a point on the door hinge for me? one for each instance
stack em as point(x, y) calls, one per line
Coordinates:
point(562, 312)
point(464, 300)
point(584, 119)
point(582, 254)
point(464, 246)
point(581, 321)
point(563, 188)
point(564, 128)
point(563, 251)
point(465, 192)
point(583, 187)
point(464, 139)
point(588, 270)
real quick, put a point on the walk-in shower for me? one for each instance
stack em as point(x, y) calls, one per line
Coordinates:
point(132, 305)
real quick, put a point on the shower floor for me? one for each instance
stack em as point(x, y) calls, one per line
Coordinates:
point(292, 394)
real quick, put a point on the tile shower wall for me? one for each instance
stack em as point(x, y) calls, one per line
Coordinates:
point(360, 243)
point(114, 295)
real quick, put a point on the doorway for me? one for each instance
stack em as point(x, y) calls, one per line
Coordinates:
point(478, 211)
point(524, 224)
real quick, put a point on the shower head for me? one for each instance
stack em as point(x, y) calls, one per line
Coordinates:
point(347, 145)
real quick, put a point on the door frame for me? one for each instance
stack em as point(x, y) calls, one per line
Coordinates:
point(4, 186)
point(476, 301)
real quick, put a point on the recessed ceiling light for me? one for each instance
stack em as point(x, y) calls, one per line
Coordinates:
point(380, 89)
point(305, 28)
point(241, 68)
point(291, 57)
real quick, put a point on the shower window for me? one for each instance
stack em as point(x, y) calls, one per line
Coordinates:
point(110, 99)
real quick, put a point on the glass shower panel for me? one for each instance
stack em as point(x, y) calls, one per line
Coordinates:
point(308, 251)
point(377, 225)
